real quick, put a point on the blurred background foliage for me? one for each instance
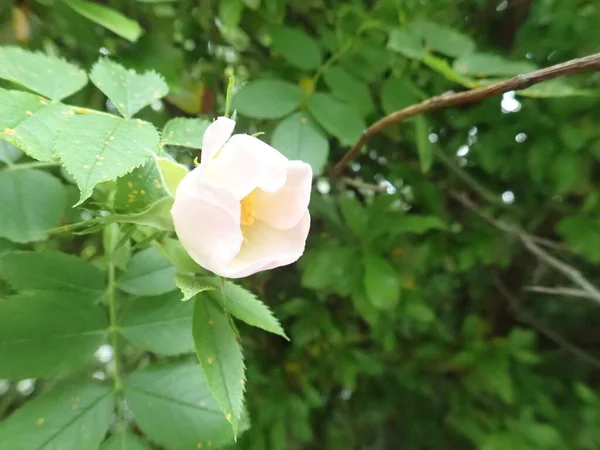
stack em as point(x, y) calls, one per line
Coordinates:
point(412, 320)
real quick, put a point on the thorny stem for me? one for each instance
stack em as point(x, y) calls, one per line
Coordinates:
point(519, 82)
point(114, 335)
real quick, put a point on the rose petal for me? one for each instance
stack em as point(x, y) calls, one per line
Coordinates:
point(207, 222)
point(284, 209)
point(269, 247)
point(215, 137)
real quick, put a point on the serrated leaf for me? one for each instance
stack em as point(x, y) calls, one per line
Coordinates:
point(99, 147)
point(51, 270)
point(44, 333)
point(173, 406)
point(296, 47)
point(108, 18)
point(396, 94)
point(171, 173)
point(179, 257)
point(381, 282)
point(267, 99)
point(32, 202)
point(336, 118)
point(157, 215)
point(31, 123)
point(140, 188)
point(48, 75)
point(405, 43)
point(124, 441)
point(160, 324)
point(149, 273)
point(220, 355)
point(424, 147)
point(127, 90)
point(349, 89)
point(299, 139)
point(74, 415)
point(184, 132)
point(442, 39)
point(190, 285)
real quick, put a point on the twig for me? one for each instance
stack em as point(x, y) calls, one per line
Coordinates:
point(359, 184)
point(561, 290)
point(519, 82)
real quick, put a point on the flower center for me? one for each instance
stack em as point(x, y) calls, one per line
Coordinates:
point(248, 205)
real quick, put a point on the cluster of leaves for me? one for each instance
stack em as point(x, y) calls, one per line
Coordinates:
point(409, 320)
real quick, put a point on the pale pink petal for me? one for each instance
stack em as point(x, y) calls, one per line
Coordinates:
point(284, 209)
point(246, 163)
point(215, 137)
point(207, 222)
point(268, 247)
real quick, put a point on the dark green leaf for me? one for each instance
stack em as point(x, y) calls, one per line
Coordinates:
point(149, 273)
point(396, 94)
point(405, 43)
point(382, 284)
point(424, 147)
point(442, 39)
point(349, 90)
point(140, 188)
point(298, 49)
point(267, 99)
point(124, 441)
point(336, 118)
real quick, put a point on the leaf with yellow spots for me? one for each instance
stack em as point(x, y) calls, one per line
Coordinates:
point(127, 90)
point(73, 415)
point(47, 75)
point(190, 285)
point(185, 132)
point(98, 147)
point(140, 188)
point(220, 355)
point(124, 441)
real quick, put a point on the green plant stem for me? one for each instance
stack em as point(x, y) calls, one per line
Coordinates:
point(331, 61)
point(114, 336)
point(32, 165)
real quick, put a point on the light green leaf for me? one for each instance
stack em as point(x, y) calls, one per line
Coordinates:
point(557, 88)
point(355, 215)
point(184, 132)
point(96, 148)
point(179, 257)
point(30, 122)
point(160, 324)
point(442, 39)
point(44, 333)
point(108, 18)
point(140, 188)
point(296, 47)
point(51, 270)
point(32, 202)
point(157, 215)
point(190, 285)
point(424, 147)
point(9, 153)
point(267, 99)
point(173, 406)
point(171, 173)
point(483, 64)
point(73, 415)
point(127, 90)
point(299, 139)
point(47, 75)
point(149, 273)
point(336, 118)
point(396, 94)
point(381, 282)
point(406, 44)
point(221, 358)
point(349, 89)
point(414, 223)
point(124, 441)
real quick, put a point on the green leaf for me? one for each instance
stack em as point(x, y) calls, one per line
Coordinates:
point(185, 132)
point(73, 415)
point(32, 202)
point(483, 64)
point(414, 223)
point(149, 273)
point(406, 44)
point(190, 285)
point(48, 75)
point(424, 147)
point(160, 324)
point(157, 215)
point(124, 441)
point(96, 148)
point(556, 88)
point(396, 94)
point(108, 18)
point(127, 90)
point(220, 355)
point(30, 122)
point(298, 138)
point(580, 233)
point(51, 270)
point(337, 118)
point(171, 173)
point(349, 89)
point(267, 99)
point(381, 282)
point(296, 47)
point(179, 257)
point(442, 39)
point(173, 406)
point(355, 215)
point(48, 332)
point(140, 188)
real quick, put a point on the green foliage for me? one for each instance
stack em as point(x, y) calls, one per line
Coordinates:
point(298, 49)
point(149, 273)
point(337, 118)
point(267, 99)
point(184, 132)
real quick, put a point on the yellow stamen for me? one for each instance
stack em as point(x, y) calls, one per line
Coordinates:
point(248, 205)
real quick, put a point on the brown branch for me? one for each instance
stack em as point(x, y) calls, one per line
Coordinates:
point(560, 290)
point(519, 82)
